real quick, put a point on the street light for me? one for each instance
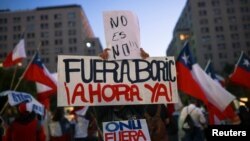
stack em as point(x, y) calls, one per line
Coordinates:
point(88, 44)
point(183, 36)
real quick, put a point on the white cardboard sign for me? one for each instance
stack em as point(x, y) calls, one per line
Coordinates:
point(122, 34)
point(128, 130)
point(88, 80)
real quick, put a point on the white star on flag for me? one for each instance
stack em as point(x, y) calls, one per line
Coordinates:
point(246, 62)
point(185, 58)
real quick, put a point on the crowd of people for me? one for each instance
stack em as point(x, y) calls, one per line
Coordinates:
point(18, 124)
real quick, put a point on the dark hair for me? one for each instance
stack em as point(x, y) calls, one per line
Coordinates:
point(58, 115)
point(242, 109)
point(26, 118)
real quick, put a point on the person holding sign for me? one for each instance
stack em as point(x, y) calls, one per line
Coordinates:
point(119, 26)
point(123, 41)
point(125, 78)
point(122, 79)
point(25, 127)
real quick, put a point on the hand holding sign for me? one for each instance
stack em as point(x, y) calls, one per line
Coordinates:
point(105, 54)
point(143, 54)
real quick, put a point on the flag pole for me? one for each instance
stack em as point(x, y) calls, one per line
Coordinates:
point(13, 78)
point(235, 66)
point(241, 55)
point(208, 63)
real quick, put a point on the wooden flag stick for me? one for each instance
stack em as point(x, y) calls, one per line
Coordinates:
point(13, 77)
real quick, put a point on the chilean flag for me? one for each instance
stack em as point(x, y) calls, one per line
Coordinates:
point(37, 72)
point(44, 92)
point(194, 81)
point(241, 74)
point(185, 79)
point(16, 55)
point(214, 114)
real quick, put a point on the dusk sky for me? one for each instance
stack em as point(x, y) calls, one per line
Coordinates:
point(157, 18)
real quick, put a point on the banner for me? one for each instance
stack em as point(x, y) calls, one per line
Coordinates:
point(122, 33)
point(15, 98)
point(129, 130)
point(91, 81)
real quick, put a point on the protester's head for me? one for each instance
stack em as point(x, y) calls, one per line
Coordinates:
point(192, 101)
point(242, 109)
point(25, 116)
point(58, 114)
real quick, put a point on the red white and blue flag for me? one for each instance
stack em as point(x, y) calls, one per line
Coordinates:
point(241, 74)
point(15, 56)
point(37, 72)
point(193, 80)
point(214, 114)
point(44, 92)
point(185, 80)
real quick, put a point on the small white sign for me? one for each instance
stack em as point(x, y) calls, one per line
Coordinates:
point(122, 34)
point(128, 130)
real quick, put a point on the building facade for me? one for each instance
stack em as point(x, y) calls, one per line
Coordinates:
point(215, 29)
point(57, 30)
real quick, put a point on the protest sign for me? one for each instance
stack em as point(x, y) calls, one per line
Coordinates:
point(15, 98)
point(129, 130)
point(91, 81)
point(122, 34)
